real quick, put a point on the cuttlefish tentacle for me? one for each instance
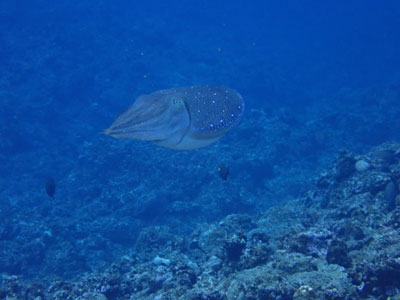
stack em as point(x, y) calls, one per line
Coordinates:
point(151, 118)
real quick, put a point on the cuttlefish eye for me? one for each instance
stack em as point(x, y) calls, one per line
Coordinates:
point(177, 101)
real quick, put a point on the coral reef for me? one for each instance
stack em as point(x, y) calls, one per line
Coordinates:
point(346, 247)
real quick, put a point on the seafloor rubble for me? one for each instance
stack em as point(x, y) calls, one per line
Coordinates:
point(340, 240)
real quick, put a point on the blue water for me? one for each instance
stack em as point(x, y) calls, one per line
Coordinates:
point(316, 77)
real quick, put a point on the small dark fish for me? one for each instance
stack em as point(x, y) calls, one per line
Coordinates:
point(390, 194)
point(223, 171)
point(50, 187)
point(386, 156)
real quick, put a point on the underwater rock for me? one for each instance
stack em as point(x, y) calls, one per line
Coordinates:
point(94, 296)
point(152, 241)
point(338, 254)
point(362, 166)
point(35, 292)
point(313, 242)
point(394, 220)
point(12, 258)
point(213, 264)
point(234, 247)
point(11, 288)
point(187, 274)
point(161, 261)
point(257, 235)
point(345, 165)
point(304, 292)
point(255, 255)
point(292, 263)
point(349, 229)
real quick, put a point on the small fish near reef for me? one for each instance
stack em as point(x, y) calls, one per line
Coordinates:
point(50, 187)
point(390, 193)
point(180, 118)
point(223, 171)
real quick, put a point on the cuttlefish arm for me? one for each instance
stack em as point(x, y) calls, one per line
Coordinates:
point(154, 117)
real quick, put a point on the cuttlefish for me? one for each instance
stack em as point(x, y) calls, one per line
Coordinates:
point(180, 118)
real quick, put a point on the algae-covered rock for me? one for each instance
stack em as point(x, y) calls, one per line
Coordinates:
point(338, 254)
point(345, 165)
point(362, 165)
point(94, 296)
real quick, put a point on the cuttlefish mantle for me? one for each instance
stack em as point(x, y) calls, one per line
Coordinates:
point(180, 118)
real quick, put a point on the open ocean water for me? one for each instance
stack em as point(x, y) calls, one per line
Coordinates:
point(293, 194)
